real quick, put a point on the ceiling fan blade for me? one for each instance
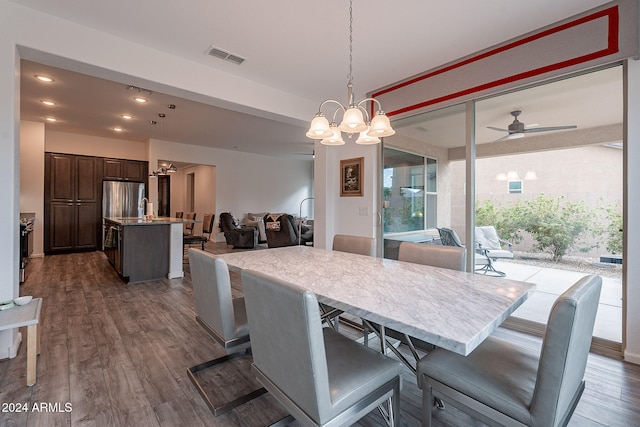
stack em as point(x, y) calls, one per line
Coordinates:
point(547, 129)
point(502, 139)
point(498, 129)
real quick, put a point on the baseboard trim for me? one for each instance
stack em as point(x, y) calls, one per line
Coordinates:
point(12, 349)
point(599, 346)
point(632, 357)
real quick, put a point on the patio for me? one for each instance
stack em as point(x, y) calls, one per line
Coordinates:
point(551, 282)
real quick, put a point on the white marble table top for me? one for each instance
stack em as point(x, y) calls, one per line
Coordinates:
point(450, 309)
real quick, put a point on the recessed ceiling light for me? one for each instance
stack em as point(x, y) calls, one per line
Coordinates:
point(126, 116)
point(43, 78)
point(140, 99)
point(47, 102)
point(117, 129)
point(51, 119)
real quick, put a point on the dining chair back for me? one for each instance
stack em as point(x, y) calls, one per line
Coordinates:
point(451, 257)
point(320, 376)
point(207, 229)
point(505, 384)
point(355, 244)
point(222, 316)
point(188, 227)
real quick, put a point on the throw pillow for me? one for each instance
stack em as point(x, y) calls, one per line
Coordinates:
point(273, 225)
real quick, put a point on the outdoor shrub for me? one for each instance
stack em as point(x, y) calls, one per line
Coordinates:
point(557, 224)
point(501, 218)
point(614, 229)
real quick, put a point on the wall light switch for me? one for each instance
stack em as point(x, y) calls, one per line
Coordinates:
point(363, 211)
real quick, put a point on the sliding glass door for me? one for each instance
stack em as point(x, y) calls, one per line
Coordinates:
point(548, 178)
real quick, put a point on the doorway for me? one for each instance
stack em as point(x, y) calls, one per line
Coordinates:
point(164, 195)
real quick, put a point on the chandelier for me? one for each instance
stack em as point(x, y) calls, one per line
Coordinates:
point(355, 118)
point(163, 170)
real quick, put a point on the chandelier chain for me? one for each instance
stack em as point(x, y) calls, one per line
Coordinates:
point(350, 77)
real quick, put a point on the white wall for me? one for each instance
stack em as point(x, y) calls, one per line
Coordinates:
point(32, 142)
point(205, 191)
point(244, 182)
point(10, 183)
point(357, 216)
point(89, 145)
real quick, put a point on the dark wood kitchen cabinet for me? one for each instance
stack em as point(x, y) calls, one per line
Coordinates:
point(71, 203)
point(128, 170)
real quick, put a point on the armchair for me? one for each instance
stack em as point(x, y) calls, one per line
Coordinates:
point(281, 231)
point(238, 237)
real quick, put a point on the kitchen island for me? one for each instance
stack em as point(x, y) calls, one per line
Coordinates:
point(141, 249)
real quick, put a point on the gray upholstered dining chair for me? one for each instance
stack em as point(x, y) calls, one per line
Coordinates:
point(504, 384)
point(320, 376)
point(354, 244)
point(451, 257)
point(222, 316)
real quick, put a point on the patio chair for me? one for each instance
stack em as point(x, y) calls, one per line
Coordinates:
point(449, 237)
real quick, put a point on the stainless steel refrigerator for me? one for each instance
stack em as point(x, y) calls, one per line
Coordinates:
point(122, 199)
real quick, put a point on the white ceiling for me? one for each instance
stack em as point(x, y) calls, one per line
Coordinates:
point(297, 47)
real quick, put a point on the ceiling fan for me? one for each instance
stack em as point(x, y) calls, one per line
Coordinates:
point(517, 129)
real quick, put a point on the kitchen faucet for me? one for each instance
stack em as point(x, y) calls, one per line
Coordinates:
point(142, 202)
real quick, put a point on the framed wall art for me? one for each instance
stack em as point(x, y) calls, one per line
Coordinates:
point(351, 177)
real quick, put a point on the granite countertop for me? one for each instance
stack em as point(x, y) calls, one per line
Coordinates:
point(141, 221)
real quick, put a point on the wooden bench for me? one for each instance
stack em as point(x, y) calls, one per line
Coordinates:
point(26, 315)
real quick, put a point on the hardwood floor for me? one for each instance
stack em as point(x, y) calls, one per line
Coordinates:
point(117, 355)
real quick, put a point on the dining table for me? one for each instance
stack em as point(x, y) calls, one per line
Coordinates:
point(450, 309)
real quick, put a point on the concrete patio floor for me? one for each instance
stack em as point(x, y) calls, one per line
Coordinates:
point(551, 282)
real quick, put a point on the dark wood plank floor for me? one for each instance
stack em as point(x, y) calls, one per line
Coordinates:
point(116, 355)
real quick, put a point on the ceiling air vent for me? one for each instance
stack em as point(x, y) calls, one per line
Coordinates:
point(221, 54)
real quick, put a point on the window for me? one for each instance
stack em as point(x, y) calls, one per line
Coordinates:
point(515, 187)
point(409, 191)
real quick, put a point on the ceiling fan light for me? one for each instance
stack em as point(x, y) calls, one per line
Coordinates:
point(353, 121)
point(365, 139)
point(335, 138)
point(381, 126)
point(319, 128)
point(515, 135)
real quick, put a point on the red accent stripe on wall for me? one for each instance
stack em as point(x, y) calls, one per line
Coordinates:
point(612, 47)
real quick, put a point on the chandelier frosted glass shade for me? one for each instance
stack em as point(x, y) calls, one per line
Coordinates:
point(335, 138)
point(353, 121)
point(319, 128)
point(381, 126)
point(365, 138)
